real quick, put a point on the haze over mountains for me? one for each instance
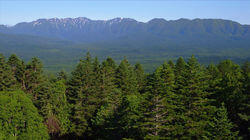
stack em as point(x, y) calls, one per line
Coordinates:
point(145, 42)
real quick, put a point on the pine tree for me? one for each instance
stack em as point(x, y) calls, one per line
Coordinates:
point(128, 105)
point(198, 110)
point(126, 79)
point(230, 89)
point(161, 107)
point(222, 127)
point(180, 71)
point(7, 79)
point(214, 79)
point(180, 67)
point(97, 83)
point(83, 95)
point(18, 69)
point(110, 96)
point(34, 79)
point(140, 76)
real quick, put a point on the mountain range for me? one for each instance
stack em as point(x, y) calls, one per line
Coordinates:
point(85, 30)
point(146, 42)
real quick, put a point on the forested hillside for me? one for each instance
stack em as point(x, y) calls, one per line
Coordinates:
point(103, 100)
point(59, 43)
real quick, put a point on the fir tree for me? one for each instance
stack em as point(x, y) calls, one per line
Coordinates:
point(7, 79)
point(34, 78)
point(18, 69)
point(230, 89)
point(126, 79)
point(160, 107)
point(198, 110)
point(222, 128)
point(83, 92)
point(110, 97)
point(214, 79)
point(140, 76)
point(180, 71)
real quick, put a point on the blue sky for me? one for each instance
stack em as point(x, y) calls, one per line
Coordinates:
point(14, 11)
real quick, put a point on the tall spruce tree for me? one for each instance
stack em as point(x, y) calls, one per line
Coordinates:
point(214, 79)
point(18, 69)
point(34, 79)
point(127, 112)
point(198, 110)
point(230, 89)
point(179, 71)
point(140, 76)
point(110, 95)
point(222, 128)
point(7, 79)
point(125, 78)
point(83, 94)
point(161, 107)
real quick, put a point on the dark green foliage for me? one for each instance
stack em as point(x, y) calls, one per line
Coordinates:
point(62, 75)
point(110, 96)
point(19, 118)
point(161, 106)
point(18, 68)
point(197, 108)
point(126, 78)
point(214, 78)
point(221, 126)
point(127, 117)
point(171, 63)
point(55, 108)
point(34, 78)
point(244, 114)
point(230, 88)
point(105, 101)
point(81, 95)
point(140, 76)
point(7, 79)
point(85, 93)
point(180, 70)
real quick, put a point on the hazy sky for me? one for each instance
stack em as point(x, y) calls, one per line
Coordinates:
point(14, 11)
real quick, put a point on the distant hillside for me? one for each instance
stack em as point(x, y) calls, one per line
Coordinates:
point(60, 42)
point(86, 30)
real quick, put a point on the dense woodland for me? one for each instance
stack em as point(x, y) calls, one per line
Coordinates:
point(103, 100)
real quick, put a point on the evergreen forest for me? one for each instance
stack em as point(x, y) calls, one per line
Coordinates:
point(110, 101)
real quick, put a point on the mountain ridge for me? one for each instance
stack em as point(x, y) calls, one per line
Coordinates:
point(61, 42)
point(122, 18)
point(83, 29)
